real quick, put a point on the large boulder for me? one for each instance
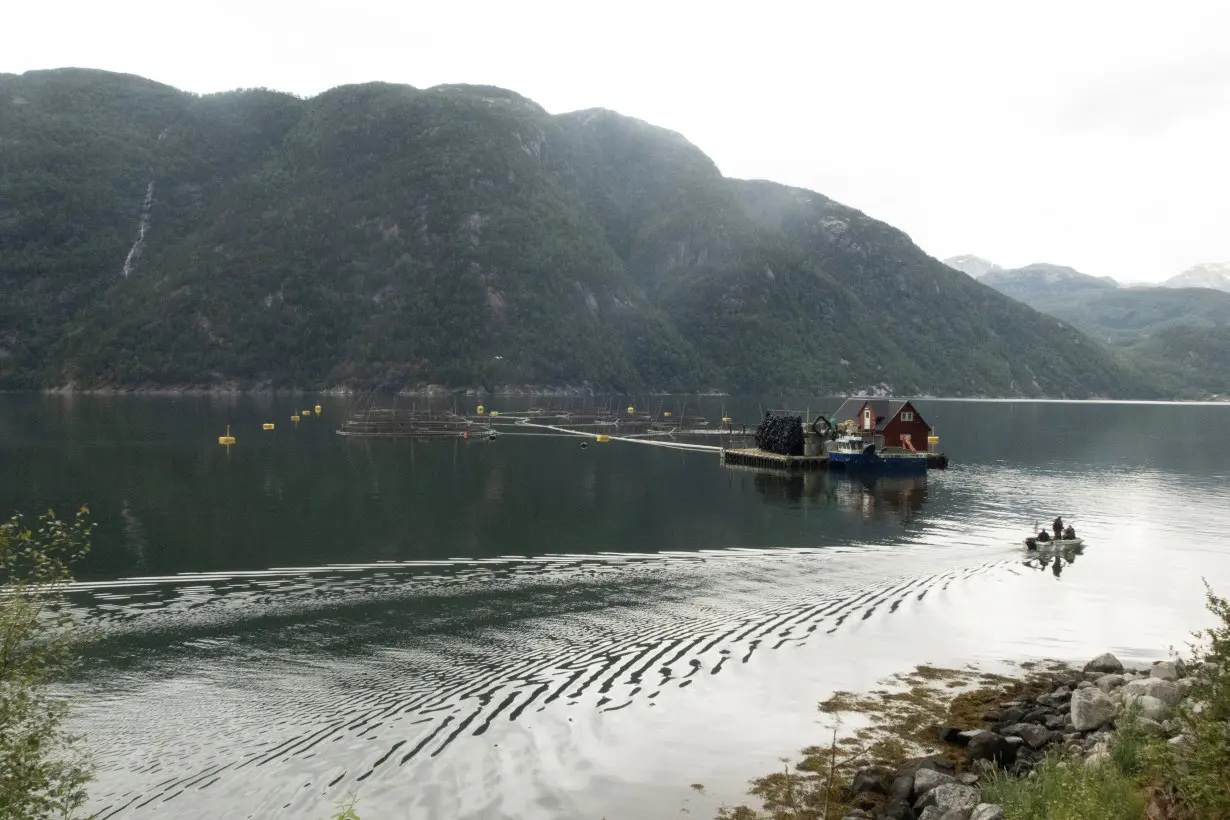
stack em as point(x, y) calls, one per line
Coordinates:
point(948, 734)
point(1167, 670)
point(1166, 691)
point(896, 810)
point(927, 779)
point(1091, 709)
point(1033, 734)
point(1099, 755)
point(1105, 663)
point(1151, 727)
point(1148, 707)
point(1108, 683)
point(1181, 742)
point(902, 789)
point(1056, 699)
point(986, 745)
point(952, 797)
point(987, 811)
point(875, 780)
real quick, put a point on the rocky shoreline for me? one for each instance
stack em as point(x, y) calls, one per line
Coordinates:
point(1074, 719)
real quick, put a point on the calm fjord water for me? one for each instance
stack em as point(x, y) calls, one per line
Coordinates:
point(527, 629)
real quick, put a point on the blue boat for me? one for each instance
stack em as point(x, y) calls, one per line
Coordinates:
point(854, 454)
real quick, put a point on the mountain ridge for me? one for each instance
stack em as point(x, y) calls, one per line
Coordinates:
point(383, 236)
point(1179, 335)
point(1212, 275)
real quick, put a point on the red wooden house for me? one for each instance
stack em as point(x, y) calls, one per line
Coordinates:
point(886, 422)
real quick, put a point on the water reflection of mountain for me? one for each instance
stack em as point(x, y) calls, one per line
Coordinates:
point(868, 495)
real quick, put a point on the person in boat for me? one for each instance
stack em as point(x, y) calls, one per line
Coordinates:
point(1043, 535)
point(1057, 526)
point(1069, 533)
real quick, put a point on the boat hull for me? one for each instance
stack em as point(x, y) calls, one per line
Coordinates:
point(1034, 545)
point(873, 462)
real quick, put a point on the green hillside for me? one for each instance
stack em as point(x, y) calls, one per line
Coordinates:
point(1178, 337)
point(384, 236)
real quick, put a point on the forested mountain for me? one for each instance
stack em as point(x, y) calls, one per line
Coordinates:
point(1040, 283)
point(382, 235)
point(1178, 336)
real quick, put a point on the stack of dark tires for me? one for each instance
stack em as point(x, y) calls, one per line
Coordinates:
point(780, 434)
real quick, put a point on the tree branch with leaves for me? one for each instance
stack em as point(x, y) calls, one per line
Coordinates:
point(43, 772)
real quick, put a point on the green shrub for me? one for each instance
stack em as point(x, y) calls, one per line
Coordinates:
point(346, 810)
point(42, 772)
point(1198, 771)
point(1067, 790)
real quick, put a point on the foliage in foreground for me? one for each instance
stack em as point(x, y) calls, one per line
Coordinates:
point(346, 810)
point(42, 772)
point(1185, 779)
point(1197, 772)
point(1070, 790)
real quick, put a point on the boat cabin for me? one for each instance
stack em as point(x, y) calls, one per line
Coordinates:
point(848, 444)
point(886, 423)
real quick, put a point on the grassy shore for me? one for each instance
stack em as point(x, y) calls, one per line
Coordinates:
point(1134, 772)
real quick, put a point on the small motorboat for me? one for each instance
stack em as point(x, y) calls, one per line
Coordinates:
point(1034, 545)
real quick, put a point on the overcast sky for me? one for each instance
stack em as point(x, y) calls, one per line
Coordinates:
point(1088, 133)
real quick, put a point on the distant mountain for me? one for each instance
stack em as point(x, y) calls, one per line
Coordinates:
point(1178, 336)
point(383, 236)
point(975, 266)
point(1040, 283)
point(1215, 275)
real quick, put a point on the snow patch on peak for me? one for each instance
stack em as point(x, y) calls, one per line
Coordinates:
point(975, 266)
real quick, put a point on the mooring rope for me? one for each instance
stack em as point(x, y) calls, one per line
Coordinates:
point(671, 445)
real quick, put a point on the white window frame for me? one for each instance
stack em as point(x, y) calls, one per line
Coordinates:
point(907, 415)
point(866, 419)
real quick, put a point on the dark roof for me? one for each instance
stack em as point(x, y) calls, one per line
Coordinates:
point(884, 409)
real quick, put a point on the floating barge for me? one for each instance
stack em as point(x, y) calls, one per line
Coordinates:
point(755, 457)
point(892, 428)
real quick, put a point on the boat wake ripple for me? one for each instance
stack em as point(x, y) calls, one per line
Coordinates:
point(298, 730)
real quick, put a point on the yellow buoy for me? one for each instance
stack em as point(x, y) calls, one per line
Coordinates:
point(494, 414)
point(267, 426)
point(306, 413)
point(667, 414)
point(933, 439)
point(318, 409)
point(228, 439)
point(725, 419)
point(480, 409)
point(295, 418)
point(631, 409)
point(602, 438)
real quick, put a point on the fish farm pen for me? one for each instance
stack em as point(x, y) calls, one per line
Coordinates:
point(779, 442)
point(373, 417)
